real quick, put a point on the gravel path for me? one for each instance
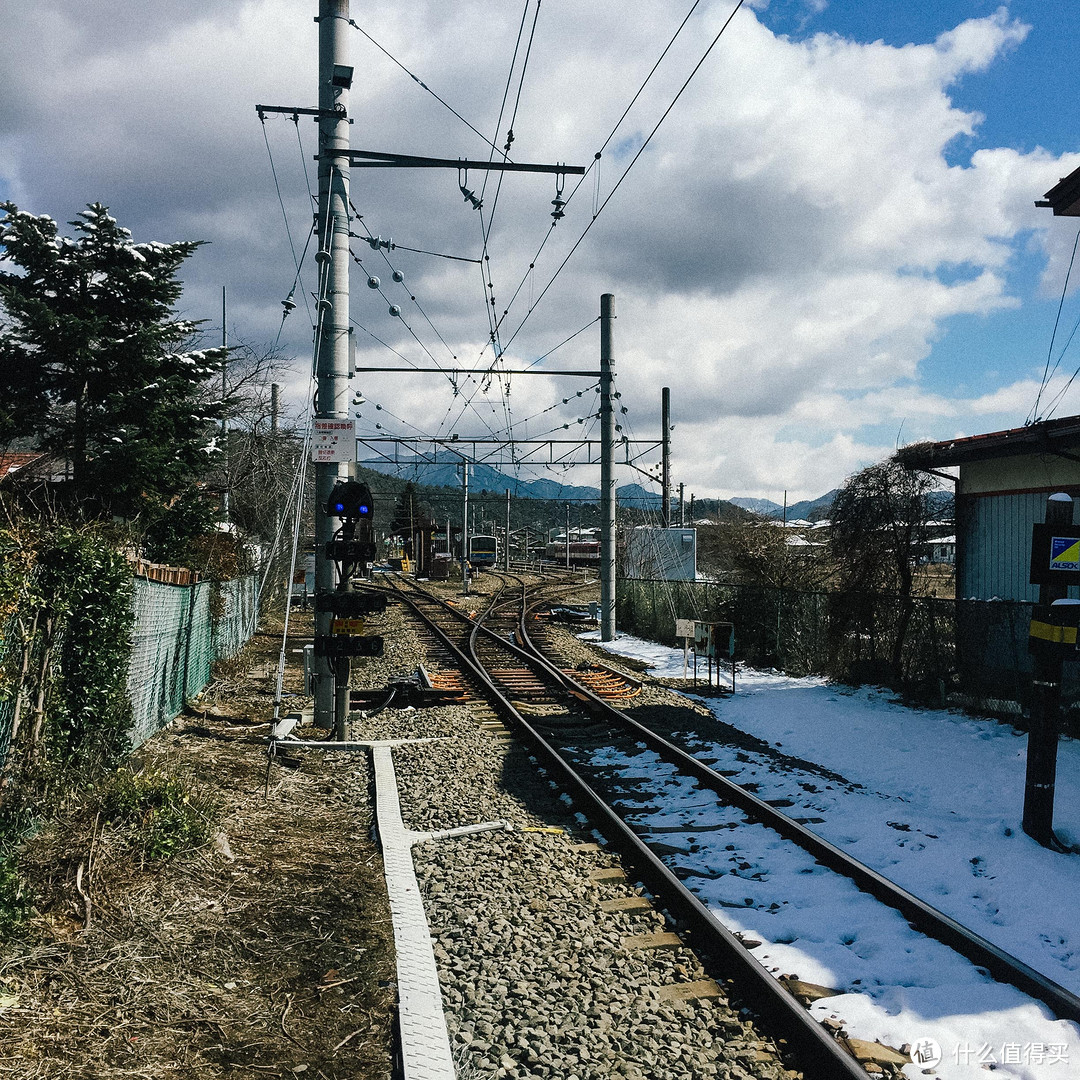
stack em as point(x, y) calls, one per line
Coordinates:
point(538, 980)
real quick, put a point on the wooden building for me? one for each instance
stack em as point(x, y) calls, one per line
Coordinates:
point(1001, 491)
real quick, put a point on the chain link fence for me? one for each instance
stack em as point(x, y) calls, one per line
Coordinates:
point(180, 631)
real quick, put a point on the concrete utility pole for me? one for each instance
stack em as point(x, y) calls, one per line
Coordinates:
point(224, 422)
point(506, 554)
point(665, 456)
point(607, 468)
point(332, 335)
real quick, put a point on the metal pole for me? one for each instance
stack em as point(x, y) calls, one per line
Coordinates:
point(682, 506)
point(567, 536)
point(332, 342)
point(224, 422)
point(665, 456)
point(506, 555)
point(1042, 747)
point(465, 528)
point(607, 469)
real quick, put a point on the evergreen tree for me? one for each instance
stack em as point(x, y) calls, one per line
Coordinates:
point(93, 366)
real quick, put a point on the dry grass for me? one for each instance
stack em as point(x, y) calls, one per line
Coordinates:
point(265, 953)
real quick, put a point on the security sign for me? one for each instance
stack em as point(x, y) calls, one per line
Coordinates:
point(1055, 555)
point(1064, 553)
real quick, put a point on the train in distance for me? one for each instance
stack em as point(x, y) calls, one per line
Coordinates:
point(483, 551)
point(584, 548)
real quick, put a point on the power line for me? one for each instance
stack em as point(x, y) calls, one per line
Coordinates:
point(599, 153)
point(421, 83)
point(626, 171)
point(1047, 374)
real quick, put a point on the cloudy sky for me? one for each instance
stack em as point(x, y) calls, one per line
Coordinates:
point(829, 246)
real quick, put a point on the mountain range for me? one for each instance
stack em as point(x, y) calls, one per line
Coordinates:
point(487, 478)
point(807, 510)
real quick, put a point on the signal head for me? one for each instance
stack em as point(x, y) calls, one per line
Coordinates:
point(350, 500)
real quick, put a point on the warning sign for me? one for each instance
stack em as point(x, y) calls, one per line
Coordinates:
point(1064, 553)
point(333, 440)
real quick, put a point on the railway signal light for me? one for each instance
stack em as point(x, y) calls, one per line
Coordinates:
point(350, 500)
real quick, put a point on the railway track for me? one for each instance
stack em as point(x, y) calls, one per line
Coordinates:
point(646, 796)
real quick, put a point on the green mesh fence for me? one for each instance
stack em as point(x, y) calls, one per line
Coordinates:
point(177, 639)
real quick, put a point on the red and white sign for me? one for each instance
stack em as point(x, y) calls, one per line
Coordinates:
point(333, 440)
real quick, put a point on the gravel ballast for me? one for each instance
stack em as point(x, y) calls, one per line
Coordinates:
point(537, 979)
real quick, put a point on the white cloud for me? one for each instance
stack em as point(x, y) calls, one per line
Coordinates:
point(784, 254)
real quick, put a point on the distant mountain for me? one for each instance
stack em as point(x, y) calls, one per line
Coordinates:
point(764, 507)
point(486, 478)
point(807, 510)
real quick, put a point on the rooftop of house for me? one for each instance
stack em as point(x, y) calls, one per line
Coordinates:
point(1060, 436)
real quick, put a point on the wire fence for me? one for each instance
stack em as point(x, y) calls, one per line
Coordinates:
point(180, 631)
point(971, 652)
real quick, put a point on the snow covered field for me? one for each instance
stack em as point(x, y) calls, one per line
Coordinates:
point(933, 800)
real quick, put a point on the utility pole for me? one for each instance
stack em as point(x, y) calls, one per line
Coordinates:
point(224, 422)
point(465, 528)
point(682, 506)
point(506, 554)
point(1041, 776)
point(665, 456)
point(332, 331)
point(567, 536)
point(275, 407)
point(607, 468)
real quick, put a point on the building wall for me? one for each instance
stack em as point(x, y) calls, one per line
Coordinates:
point(997, 502)
point(1025, 472)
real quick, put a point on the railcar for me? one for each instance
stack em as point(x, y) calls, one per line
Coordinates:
point(483, 551)
point(584, 548)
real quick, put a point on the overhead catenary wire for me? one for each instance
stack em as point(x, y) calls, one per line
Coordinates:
point(595, 163)
point(1033, 416)
point(626, 172)
point(419, 82)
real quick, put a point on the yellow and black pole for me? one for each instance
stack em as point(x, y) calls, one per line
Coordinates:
point(1055, 564)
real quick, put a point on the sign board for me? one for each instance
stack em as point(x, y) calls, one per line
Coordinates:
point(347, 627)
point(333, 440)
point(684, 628)
point(1055, 555)
point(714, 639)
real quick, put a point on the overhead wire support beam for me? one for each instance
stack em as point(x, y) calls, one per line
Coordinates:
point(483, 372)
point(299, 110)
point(373, 159)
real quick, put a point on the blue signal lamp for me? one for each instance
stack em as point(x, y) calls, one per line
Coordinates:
point(350, 500)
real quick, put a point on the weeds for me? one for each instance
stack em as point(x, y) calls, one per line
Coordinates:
point(14, 903)
point(169, 816)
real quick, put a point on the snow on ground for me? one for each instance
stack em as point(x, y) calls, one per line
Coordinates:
point(932, 799)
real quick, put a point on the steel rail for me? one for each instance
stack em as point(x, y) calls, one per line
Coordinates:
point(820, 1056)
point(922, 916)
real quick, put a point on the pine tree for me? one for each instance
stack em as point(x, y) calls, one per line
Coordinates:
point(93, 364)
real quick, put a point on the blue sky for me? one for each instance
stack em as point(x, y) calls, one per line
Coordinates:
point(828, 246)
point(1025, 98)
